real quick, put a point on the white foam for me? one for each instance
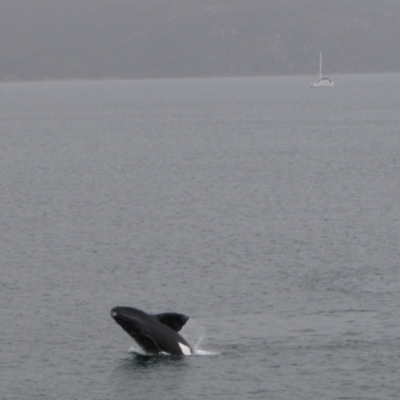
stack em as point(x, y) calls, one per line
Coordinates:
point(200, 352)
point(138, 350)
point(185, 350)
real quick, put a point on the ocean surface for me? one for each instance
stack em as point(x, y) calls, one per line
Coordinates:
point(267, 211)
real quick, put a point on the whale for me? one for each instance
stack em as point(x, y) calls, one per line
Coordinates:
point(155, 333)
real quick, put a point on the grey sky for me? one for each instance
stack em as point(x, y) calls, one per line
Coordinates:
point(61, 39)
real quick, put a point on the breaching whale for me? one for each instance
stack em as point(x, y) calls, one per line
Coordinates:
point(155, 334)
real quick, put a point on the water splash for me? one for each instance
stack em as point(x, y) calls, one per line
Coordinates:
point(194, 333)
point(137, 350)
point(199, 352)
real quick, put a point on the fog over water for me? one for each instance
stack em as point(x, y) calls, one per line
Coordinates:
point(97, 39)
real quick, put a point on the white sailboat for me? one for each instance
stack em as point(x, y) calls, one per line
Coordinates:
point(322, 81)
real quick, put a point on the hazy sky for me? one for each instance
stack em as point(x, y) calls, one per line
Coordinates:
point(59, 39)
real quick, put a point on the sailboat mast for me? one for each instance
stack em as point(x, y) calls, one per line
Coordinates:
point(322, 82)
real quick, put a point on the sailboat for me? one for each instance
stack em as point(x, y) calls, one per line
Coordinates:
point(322, 81)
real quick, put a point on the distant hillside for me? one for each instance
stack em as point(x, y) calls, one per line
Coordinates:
point(95, 39)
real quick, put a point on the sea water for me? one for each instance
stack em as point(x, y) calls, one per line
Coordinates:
point(263, 209)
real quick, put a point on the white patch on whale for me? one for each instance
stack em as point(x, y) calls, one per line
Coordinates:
point(185, 350)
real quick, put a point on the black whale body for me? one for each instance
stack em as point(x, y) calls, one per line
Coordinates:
point(155, 334)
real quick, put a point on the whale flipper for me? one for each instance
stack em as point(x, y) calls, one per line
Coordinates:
point(148, 344)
